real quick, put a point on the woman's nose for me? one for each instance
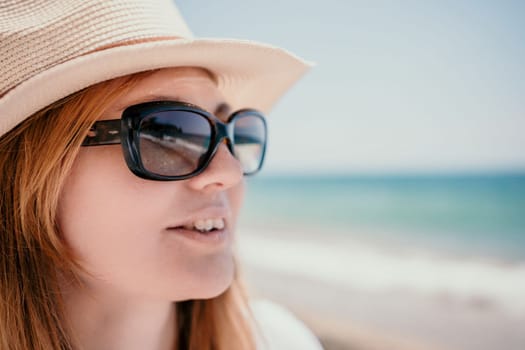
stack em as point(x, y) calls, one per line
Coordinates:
point(223, 171)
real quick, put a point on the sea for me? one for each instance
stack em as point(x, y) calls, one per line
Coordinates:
point(465, 215)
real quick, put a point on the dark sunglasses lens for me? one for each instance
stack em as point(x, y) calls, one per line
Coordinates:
point(172, 143)
point(249, 141)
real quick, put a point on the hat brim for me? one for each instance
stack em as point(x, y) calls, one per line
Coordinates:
point(249, 74)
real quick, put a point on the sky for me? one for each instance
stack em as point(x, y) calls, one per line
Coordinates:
point(398, 86)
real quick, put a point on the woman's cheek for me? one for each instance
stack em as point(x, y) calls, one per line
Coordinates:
point(236, 199)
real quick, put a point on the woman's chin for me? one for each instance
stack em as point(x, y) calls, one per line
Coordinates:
point(211, 285)
point(215, 288)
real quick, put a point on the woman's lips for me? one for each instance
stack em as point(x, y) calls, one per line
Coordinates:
point(215, 237)
point(209, 226)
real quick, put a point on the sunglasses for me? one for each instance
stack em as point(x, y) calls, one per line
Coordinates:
point(170, 140)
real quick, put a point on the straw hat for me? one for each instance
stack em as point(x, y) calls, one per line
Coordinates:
point(52, 48)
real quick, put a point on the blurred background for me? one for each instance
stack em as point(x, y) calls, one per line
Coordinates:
point(391, 210)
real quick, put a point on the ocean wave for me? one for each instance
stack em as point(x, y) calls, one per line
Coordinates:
point(361, 266)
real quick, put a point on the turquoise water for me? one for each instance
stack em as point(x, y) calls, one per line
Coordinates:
point(475, 215)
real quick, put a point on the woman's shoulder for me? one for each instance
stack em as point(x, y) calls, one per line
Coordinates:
point(278, 329)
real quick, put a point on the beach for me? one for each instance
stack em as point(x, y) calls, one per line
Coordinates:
point(357, 295)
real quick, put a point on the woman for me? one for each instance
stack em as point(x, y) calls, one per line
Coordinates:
point(123, 150)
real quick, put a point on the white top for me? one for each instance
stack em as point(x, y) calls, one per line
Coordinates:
point(279, 329)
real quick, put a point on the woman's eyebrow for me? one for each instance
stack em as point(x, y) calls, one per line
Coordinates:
point(148, 98)
point(223, 110)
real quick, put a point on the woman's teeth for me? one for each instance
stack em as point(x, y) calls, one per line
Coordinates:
point(206, 225)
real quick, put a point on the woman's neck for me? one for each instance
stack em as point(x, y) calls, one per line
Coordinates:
point(110, 321)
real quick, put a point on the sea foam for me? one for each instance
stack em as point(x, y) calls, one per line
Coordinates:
point(362, 266)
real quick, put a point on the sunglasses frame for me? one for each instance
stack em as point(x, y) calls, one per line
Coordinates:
point(126, 132)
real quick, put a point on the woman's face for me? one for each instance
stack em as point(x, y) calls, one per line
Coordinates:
point(122, 227)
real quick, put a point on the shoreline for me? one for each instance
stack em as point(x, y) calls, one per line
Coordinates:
point(403, 312)
point(388, 240)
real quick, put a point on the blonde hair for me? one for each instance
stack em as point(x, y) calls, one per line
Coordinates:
point(35, 159)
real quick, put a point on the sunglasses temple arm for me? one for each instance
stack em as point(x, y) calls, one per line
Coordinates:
point(103, 132)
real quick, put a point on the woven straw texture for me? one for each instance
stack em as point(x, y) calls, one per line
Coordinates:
point(50, 49)
point(36, 35)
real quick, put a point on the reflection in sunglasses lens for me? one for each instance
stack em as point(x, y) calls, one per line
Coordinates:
point(172, 143)
point(249, 140)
